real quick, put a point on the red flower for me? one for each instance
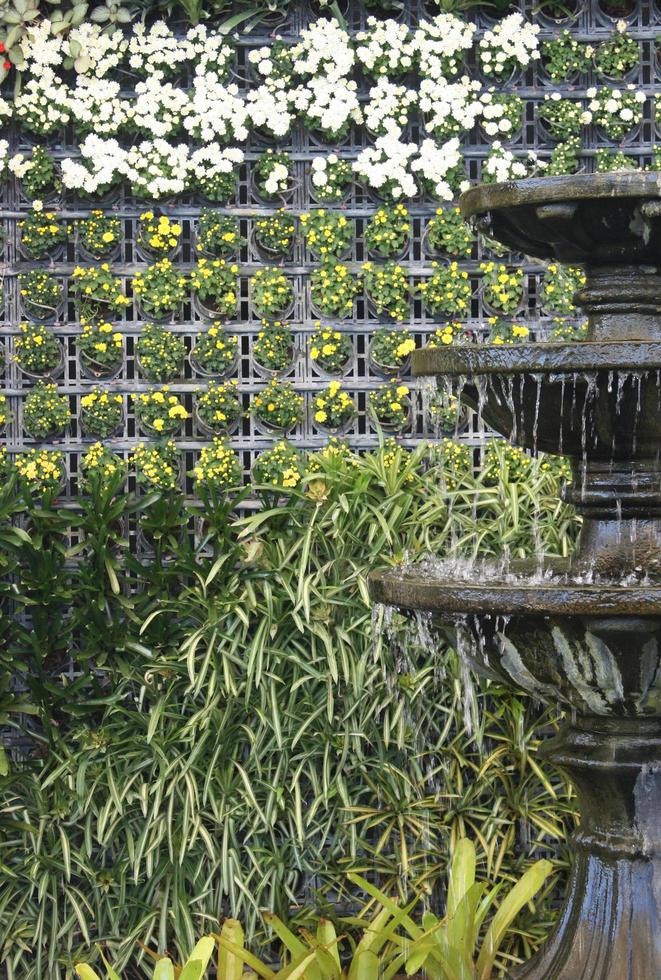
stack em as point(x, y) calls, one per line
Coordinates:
point(6, 65)
point(2, 47)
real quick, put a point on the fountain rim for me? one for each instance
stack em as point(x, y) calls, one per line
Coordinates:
point(538, 358)
point(426, 593)
point(563, 188)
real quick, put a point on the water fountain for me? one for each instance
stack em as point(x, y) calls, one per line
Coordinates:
point(586, 633)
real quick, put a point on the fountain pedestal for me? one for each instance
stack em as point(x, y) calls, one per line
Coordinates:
point(586, 635)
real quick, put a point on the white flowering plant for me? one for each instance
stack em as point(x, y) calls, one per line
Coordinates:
point(386, 166)
point(512, 43)
point(273, 173)
point(450, 108)
point(563, 117)
point(564, 56)
point(386, 48)
point(502, 113)
point(441, 45)
point(329, 177)
point(388, 105)
point(617, 111)
point(619, 54)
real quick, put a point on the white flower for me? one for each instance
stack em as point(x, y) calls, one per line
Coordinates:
point(386, 47)
point(324, 48)
point(512, 40)
point(216, 112)
point(434, 164)
point(441, 44)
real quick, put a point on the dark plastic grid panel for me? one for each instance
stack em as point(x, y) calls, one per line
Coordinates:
point(591, 24)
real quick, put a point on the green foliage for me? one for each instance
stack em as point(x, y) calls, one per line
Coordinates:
point(252, 729)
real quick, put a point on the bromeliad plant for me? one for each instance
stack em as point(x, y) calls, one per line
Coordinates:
point(273, 348)
point(390, 405)
point(218, 406)
point(160, 289)
point(218, 234)
point(329, 349)
point(157, 234)
point(42, 233)
point(275, 233)
point(160, 353)
point(327, 233)
point(99, 234)
point(558, 288)
point(332, 408)
point(448, 232)
point(448, 290)
point(41, 294)
point(102, 413)
point(388, 231)
point(273, 173)
point(37, 351)
point(158, 412)
point(387, 286)
point(278, 406)
point(194, 968)
point(389, 349)
point(98, 292)
point(502, 288)
point(333, 289)
point(271, 293)
point(215, 352)
point(45, 412)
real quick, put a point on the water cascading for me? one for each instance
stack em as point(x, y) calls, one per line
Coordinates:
point(584, 634)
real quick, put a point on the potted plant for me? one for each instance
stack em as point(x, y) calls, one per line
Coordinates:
point(217, 471)
point(564, 57)
point(616, 111)
point(332, 409)
point(218, 234)
point(511, 44)
point(41, 294)
point(100, 466)
point(6, 415)
point(160, 289)
point(99, 235)
point(563, 118)
point(448, 232)
point(37, 351)
point(102, 413)
point(38, 174)
point(157, 467)
point(326, 232)
point(448, 290)
point(98, 292)
point(159, 412)
point(333, 289)
point(390, 350)
point(218, 407)
point(41, 470)
point(160, 353)
point(101, 349)
point(215, 353)
point(330, 349)
point(447, 334)
point(277, 406)
point(390, 406)
point(215, 172)
point(271, 293)
point(505, 332)
point(329, 178)
point(275, 233)
point(501, 115)
point(558, 288)
point(45, 412)
point(387, 288)
point(42, 233)
point(273, 348)
point(157, 234)
point(215, 286)
point(272, 174)
point(502, 288)
point(387, 232)
point(281, 468)
point(569, 330)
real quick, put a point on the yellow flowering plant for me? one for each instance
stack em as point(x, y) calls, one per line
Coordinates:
point(448, 334)
point(327, 232)
point(159, 412)
point(502, 288)
point(454, 459)
point(390, 405)
point(41, 294)
point(98, 291)
point(218, 234)
point(216, 285)
point(99, 234)
point(273, 348)
point(217, 470)
point(41, 470)
point(100, 346)
point(388, 231)
point(332, 458)
point(281, 467)
point(157, 234)
point(504, 332)
point(37, 351)
point(275, 232)
point(333, 407)
point(157, 467)
point(5, 414)
point(42, 232)
point(160, 289)
point(45, 412)
point(387, 286)
point(448, 232)
point(218, 406)
point(160, 353)
point(558, 288)
point(102, 412)
point(278, 406)
point(448, 290)
point(390, 348)
point(330, 349)
point(569, 330)
point(271, 293)
point(99, 465)
point(215, 351)
point(333, 289)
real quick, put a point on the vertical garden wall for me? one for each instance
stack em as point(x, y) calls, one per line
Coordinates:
point(219, 240)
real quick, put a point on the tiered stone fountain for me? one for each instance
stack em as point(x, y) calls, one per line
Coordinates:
point(584, 634)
